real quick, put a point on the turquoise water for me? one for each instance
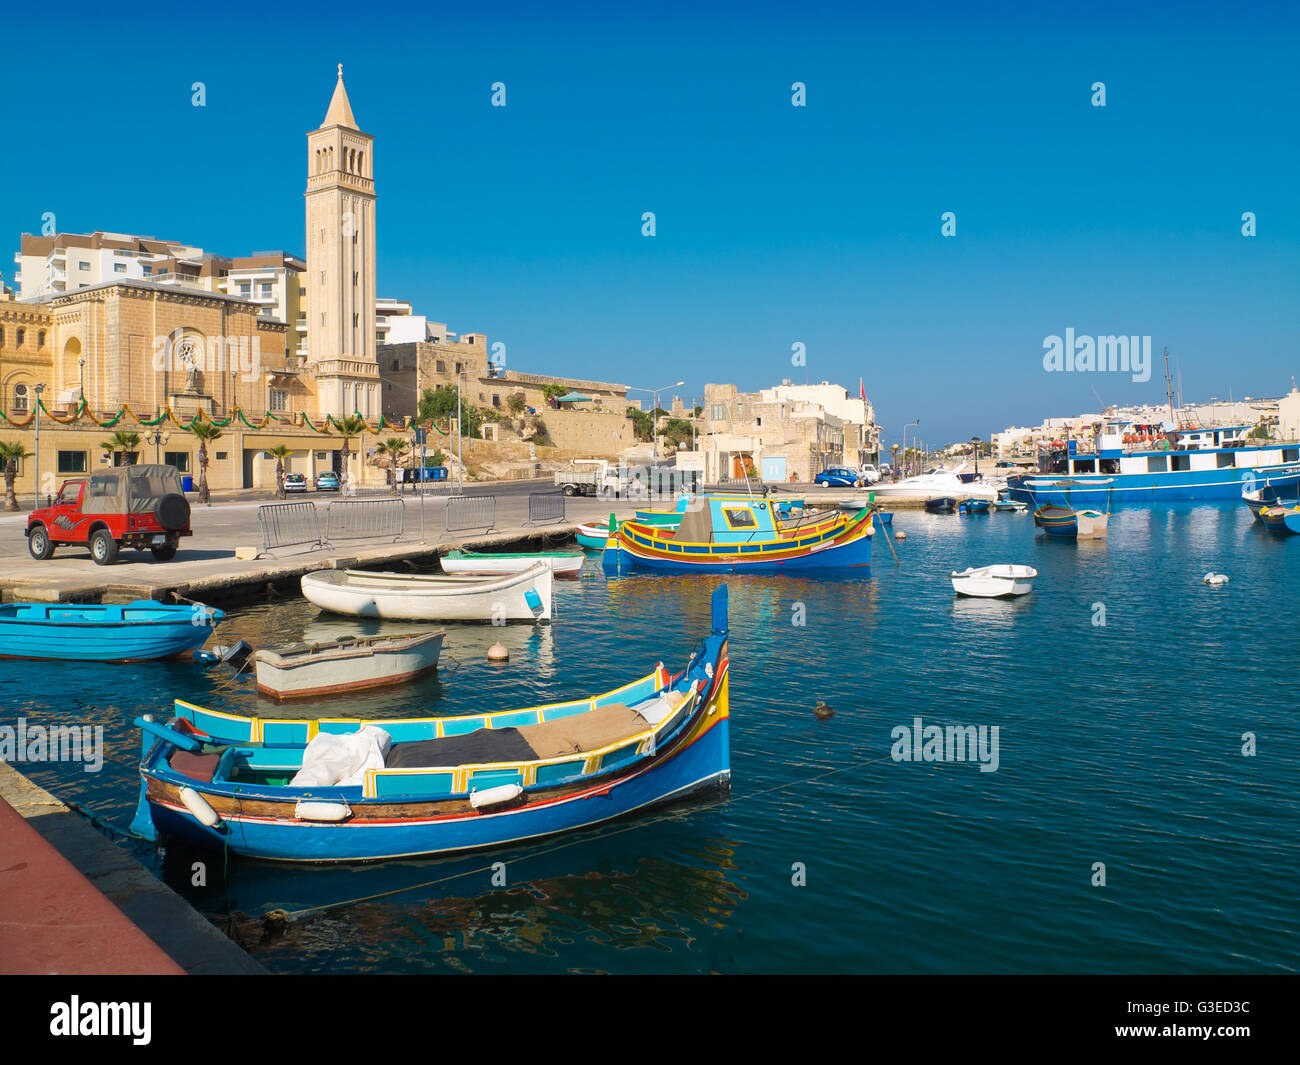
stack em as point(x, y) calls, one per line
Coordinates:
point(1118, 743)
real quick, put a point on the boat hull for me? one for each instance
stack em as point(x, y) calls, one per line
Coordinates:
point(1281, 521)
point(562, 563)
point(131, 632)
point(433, 599)
point(825, 546)
point(1172, 486)
point(346, 667)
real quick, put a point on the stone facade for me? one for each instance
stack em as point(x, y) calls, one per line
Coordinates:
point(779, 435)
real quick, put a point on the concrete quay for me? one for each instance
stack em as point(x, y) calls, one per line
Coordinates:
point(206, 569)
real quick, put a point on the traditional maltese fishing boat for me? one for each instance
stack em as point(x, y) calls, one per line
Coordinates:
point(734, 534)
point(342, 789)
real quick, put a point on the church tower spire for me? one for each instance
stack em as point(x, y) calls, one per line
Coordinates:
point(340, 247)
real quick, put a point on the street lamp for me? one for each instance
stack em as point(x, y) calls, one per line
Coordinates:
point(654, 418)
point(36, 413)
point(156, 437)
point(905, 428)
point(460, 436)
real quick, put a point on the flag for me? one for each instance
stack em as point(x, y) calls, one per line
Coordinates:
point(862, 390)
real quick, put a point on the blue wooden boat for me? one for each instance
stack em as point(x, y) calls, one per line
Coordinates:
point(941, 504)
point(738, 534)
point(92, 632)
point(973, 506)
point(1069, 523)
point(444, 784)
point(1282, 521)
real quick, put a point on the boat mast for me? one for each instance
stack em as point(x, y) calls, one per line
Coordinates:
point(1169, 385)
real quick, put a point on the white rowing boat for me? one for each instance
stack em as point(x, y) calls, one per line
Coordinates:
point(993, 582)
point(350, 663)
point(562, 563)
point(524, 596)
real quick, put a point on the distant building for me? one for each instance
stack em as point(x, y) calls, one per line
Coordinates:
point(787, 432)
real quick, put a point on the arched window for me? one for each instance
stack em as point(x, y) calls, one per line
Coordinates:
point(40, 339)
point(21, 396)
point(22, 333)
point(361, 163)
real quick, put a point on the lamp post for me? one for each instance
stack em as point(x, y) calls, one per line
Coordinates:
point(909, 425)
point(460, 437)
point(156, 437)
point(654, 418)
point(36, 413)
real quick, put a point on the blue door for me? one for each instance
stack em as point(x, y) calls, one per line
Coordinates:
point(774, 468)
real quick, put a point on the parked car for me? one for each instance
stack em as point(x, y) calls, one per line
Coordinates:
point(868, 474)
point(327, 482)
point(838, 477)
point(132, 506)
point(295, 482)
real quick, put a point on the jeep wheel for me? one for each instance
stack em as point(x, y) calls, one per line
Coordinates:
point(103, 548)
point(164, 552)
point(38, 543)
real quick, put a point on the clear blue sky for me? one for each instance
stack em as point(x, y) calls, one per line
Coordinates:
point(776, 224)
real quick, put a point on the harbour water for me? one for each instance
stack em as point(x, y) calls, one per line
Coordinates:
point(1122, 688)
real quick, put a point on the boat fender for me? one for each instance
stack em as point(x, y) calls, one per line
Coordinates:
point(497, 796)
point(198, 806)
point(533, 600)
point(315, 810)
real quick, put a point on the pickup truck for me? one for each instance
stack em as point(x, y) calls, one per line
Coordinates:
point(141, 507)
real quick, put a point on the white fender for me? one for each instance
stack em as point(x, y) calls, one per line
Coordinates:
point(495, 796)
point(198, 806)
point(331, 812)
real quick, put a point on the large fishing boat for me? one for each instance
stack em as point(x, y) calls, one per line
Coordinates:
point(1127, 462)
point(735, 534)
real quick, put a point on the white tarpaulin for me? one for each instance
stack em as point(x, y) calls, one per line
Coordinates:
point(332, 761)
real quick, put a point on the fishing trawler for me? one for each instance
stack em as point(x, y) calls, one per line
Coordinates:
point(1131, 463)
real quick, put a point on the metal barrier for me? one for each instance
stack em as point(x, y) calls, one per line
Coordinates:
point(289, 525)
point(545, 506)
point(471, 512)
point(365, 519)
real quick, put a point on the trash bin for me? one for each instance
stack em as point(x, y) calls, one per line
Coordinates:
point(187, 483)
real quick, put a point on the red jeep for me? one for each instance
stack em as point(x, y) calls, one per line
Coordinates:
point(132, 506)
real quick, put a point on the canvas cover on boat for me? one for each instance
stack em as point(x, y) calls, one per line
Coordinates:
point(697, 524)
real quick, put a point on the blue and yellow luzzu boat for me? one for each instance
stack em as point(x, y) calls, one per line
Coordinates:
point(735, 534)
point(442, 784)
point(107, 632)
point(1281, 520)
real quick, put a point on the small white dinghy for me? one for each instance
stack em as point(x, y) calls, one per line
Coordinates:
point(524, 596)
point(993, 582)
point(562, 563)
point(347, 664)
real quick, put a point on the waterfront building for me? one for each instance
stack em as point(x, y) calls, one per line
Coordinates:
point(784, 432)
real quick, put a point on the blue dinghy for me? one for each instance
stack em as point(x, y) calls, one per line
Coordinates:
point(92, 632)
point(270, 788)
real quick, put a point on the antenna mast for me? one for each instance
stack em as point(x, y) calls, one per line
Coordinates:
point(1169, 385)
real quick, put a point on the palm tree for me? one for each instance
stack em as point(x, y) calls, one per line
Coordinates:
point(11, 452)
point(280, 452)
point(392, 448)
point(125, 443)
point(204, 433)
point(352, 425)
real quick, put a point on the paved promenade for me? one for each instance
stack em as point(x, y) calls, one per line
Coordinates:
point(206, 562)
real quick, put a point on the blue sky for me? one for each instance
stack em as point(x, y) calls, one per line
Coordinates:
point(775, 224)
